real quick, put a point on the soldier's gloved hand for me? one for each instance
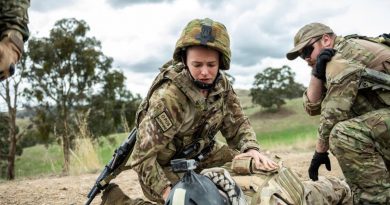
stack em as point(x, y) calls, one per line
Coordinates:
point(10, 53)
point(385, 35)
point(318, 159)
point(322, 59)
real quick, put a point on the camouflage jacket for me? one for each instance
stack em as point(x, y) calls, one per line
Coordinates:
point(370, 54)
point(343, 98)
point(175, 114)
point(13, 15)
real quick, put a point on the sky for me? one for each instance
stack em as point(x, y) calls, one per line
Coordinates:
point(140, 35)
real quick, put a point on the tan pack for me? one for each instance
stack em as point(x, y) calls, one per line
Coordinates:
point(261, 187)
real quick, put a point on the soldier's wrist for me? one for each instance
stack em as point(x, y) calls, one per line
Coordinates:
point(165, 192)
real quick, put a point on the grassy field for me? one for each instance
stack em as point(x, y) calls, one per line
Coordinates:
point(39, 160)
point(289, 127)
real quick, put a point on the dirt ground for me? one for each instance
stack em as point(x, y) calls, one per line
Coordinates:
point(71, 190)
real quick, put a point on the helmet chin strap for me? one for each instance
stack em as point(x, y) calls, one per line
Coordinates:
point(206, 86)
point(199, 84)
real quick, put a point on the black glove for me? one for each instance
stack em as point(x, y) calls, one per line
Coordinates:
point(385, 35)
point(318, 159)
point(322, 59)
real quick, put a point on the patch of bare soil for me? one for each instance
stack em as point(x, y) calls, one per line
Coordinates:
point(74, 189)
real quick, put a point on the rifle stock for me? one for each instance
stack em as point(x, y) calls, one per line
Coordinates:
point(119, 159)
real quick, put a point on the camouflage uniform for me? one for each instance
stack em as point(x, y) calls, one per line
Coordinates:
point(175, 115)
point(13, 15)
point(355, 121)
point(13, 33)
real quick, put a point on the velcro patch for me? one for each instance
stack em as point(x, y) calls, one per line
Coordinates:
point(163, 121)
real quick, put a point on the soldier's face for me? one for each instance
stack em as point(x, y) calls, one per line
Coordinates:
point(316, 47)
point(203, 63)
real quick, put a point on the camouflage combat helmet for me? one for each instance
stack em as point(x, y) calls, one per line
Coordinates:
point(208, 33)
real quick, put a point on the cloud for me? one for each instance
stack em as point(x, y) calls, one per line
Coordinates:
point(268, 29)
point(149, 65)
point(141, 35)
point(213, 4)
point(123, 3)
point(48, 5)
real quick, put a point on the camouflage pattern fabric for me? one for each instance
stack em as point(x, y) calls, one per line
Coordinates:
point(356, 119)
point(283, 186)
point(311, 108)
point(113, 195)
point(371, 55)
point(327, 191)
point(362, 147)
point(208, 33)
point(175, 115)
point(13, 15)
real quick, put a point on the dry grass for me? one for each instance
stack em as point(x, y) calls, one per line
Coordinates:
point(84, 157)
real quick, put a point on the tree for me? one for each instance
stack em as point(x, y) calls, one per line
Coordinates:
point(65, 67)
point(113, 105)
point(274, 85)
point(5, 148)
point(10, 93)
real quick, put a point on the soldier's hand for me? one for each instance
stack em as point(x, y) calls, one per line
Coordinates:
point(322, 59)
point(262, 161)
point(10, 53)
point(318, 159)
point(166, 192)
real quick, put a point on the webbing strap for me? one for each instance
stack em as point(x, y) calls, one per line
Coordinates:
point(290, 183)
point(265, 195)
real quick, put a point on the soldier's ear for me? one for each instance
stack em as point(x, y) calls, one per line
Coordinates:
point(327, 41)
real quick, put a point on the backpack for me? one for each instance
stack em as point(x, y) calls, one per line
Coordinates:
point(383, 38)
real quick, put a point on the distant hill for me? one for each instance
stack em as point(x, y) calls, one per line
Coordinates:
point(290, 122)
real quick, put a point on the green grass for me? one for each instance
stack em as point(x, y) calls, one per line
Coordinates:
point(287, 136)
point(106, 150)
point(38, 160)
point(290, 125)
point(290, 116)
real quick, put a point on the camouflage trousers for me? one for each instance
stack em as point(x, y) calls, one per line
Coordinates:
point(326, 191)
point(362, 147)
point(220, 155)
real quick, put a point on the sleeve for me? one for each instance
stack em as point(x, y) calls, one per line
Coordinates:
point(312, 109)
point(236, 127)
point(155, 131)
point(338, 102)
point(14, 16)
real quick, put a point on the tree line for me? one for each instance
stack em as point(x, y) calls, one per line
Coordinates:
point(67, 74)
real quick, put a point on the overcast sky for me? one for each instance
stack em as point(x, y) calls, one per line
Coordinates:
point(140, 34)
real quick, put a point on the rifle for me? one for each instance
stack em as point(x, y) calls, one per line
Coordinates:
point(119, 159)
point(374, 79)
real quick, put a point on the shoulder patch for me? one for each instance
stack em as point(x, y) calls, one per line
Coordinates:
point(163, 121)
